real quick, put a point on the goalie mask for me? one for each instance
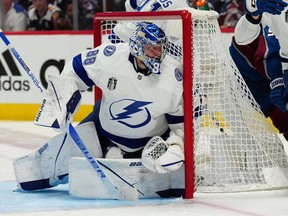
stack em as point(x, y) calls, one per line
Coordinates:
point(149, 44)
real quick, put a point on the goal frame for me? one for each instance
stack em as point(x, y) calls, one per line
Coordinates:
point(187, 38)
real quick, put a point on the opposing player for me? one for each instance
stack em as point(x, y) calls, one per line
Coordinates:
point(256, 52)
point(141, 107)
point(154, 5)
point(123, 30)
point(274, 13)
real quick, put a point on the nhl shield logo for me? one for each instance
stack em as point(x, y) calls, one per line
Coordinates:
point(112, 83)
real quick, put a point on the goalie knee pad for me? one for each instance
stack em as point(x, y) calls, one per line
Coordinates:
point(114, 153)
point(48, 166)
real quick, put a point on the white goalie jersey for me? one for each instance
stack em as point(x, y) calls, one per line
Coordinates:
point(134, 107)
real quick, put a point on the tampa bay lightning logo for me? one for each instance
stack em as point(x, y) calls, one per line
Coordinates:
point(109, 50)
point(129, 112)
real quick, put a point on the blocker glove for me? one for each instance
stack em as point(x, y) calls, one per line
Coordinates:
point(257, 7)
point(278, 94)
point(61, 102)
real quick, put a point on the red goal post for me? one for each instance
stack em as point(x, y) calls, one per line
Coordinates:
point(186, 19)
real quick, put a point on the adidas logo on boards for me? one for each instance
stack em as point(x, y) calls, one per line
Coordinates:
point(13, 82)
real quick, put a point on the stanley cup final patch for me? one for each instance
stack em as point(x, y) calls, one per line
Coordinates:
point(111, 85)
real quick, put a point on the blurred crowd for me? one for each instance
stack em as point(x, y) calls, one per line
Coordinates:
point(21, 15)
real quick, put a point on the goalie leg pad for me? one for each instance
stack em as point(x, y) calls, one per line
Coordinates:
point(84, 182)
point(48, 166)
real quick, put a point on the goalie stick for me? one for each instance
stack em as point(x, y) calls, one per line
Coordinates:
point(122, 193)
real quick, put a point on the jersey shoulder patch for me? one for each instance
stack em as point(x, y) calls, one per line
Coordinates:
point(109, 50)
point(178, 74)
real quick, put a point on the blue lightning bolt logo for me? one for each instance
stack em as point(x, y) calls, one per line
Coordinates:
point(129, 110)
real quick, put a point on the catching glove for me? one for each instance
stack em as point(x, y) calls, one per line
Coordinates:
point(163, 156)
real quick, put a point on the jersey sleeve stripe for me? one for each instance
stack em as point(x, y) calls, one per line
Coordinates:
point(80, 71)
point(171, 119)
point(284, 59)
point(133, 4)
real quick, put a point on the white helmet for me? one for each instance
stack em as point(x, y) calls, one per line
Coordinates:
point(149, 44)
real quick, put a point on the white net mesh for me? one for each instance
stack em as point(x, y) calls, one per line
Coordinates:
point(235, 147)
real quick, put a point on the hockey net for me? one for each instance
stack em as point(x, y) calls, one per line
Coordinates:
point(229, 144)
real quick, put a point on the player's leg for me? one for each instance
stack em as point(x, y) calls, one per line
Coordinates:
point(279, 120)
point(260, 90)
point(261, 93)
point(48, 165)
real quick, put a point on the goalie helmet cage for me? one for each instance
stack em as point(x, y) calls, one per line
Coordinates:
point(229, 144)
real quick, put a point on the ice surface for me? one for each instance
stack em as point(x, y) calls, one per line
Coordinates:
point(19, 138)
